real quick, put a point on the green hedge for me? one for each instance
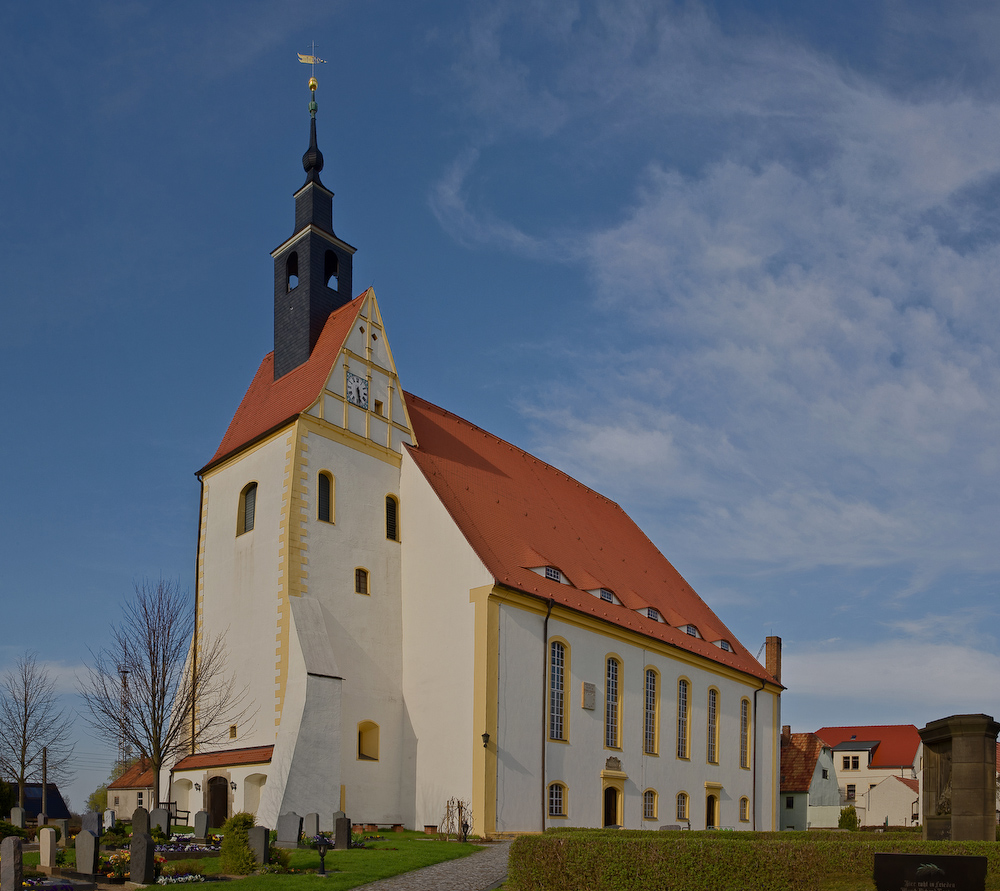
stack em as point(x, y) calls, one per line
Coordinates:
point(568, 860)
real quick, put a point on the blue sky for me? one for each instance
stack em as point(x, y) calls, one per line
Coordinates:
point(732, 264)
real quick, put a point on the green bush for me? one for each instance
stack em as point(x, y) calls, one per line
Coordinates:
point(10, 829)
point(635, 860)
point(116, 835)
point(280, 858)
point(235, 854)
point(848, 818)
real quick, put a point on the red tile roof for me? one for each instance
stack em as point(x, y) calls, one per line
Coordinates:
point(271, 403)
point(799, 754)
point(226, 758)
point(912, 784)
point(518, 513)
point(897, 743)
point(138, 776)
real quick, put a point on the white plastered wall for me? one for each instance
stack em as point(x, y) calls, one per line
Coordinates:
point(440, 570)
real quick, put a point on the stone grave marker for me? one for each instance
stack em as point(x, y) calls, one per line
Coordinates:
point(903, 872)
point(160, 816)
point(41, 820)
point(289, 829)
point(47, 848)
point(201, 825)
point(63, 831)
point(141, 860)
point(341, 832)
point(11, 864)
point(260, 844)
point(17, 817)
point(92, 822)
point(310, 825)
point(140, 821)
point(109, 818)
point(87, 852)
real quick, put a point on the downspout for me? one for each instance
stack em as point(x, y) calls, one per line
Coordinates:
point(194, 638)
point(753, 762)
point(545, 702)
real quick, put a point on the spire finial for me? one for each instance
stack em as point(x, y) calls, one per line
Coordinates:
point(312, 160)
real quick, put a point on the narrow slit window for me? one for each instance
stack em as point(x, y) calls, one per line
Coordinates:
point(682, 719)
point(612, 703)
point(324, 498)
point(391, 518)
point(557, 690)
point(649, 721)
point(331, 270)
point(292, 271)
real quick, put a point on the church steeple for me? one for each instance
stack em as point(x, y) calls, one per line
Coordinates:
point(312, 269)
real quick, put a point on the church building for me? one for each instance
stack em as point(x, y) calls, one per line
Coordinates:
point(422, 612)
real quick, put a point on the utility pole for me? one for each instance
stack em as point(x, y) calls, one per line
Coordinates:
point(45, 779)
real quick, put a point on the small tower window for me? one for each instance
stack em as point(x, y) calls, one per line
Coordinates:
point(324, 497)
point(391, 518)
point(361, 581)
point(331, 269)
point(292, 271)
point(248, 507)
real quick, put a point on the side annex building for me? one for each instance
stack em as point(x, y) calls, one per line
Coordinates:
point(421, 611)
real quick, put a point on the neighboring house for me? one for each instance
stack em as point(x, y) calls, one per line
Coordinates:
point(134, 788)
point(895, 801)
point(810, 796)
point(56, 807)
point(421, 611)
point(866, 755)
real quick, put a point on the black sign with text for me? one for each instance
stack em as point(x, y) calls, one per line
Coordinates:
point(929, 872)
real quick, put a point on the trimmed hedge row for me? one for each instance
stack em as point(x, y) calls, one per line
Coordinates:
point(568, 860)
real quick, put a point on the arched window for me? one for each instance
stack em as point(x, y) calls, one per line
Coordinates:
point(650, 722)
point(649, 804)
point(557, 800)
point(248, 507)
point(557, 690)
point(325, 492)
point(682, 806)
point(612, 704)
point(745, 733)
point(744, 810)
point(361, 581)
point(331, 269)
point(367, 741)
point(683, 719)
point(391, 518)
point(292, 271)
point(713, 726)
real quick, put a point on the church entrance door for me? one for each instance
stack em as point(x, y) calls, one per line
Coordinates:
point(218, 801)
point(611, 806)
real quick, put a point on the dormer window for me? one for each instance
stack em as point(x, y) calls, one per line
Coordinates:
point(552, 573)
point(653, 614)
point(724, 645)
point(607, 596)
point(692, 630)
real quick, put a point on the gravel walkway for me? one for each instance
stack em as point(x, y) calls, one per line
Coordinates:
point(478, 872)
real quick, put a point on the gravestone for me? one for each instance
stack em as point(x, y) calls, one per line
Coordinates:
point(11, 864)
point(109, 818)
point(141, 859)
point(63, 831)
point(92, 822)
point(289, 829)
point(201, 825)
point(140, 821)
point(160, 816)
point(959, 788)
point(310, 825)
point(41, 820)
point(260, 844)
point(87, 852)
point(902, 872)
point(17, 817)
point(47, 847)
point(341, 832)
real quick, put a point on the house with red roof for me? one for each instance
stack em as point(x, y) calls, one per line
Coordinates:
point(865, 756)
point(134, 788)
point(810, 794)
point(421, 612)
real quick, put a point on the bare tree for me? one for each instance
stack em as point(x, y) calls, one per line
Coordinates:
point(157, 689)
point(31, 723)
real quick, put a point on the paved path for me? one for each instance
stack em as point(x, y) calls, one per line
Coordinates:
point(478, 872)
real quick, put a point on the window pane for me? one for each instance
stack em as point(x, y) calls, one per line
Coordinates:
point(713, 727)
point(649, 725)
point(682, 719)
point(611, 706)
point(744, 733)
point(390, 518)
point(555, 800)
point(556, 690)
point(361, 581)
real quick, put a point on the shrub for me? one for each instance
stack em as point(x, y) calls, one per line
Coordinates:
point(281, 859)
point(235, 855)
point(848, 818)
point(10, 829)
point(116, 835)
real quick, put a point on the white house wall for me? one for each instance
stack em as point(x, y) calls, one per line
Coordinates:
point(440, 570)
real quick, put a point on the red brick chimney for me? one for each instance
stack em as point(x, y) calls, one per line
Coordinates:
point(772, 657)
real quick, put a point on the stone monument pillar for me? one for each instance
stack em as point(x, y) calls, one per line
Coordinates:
point(959, 795)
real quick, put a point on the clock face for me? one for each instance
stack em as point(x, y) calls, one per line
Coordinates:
point(357, 390)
